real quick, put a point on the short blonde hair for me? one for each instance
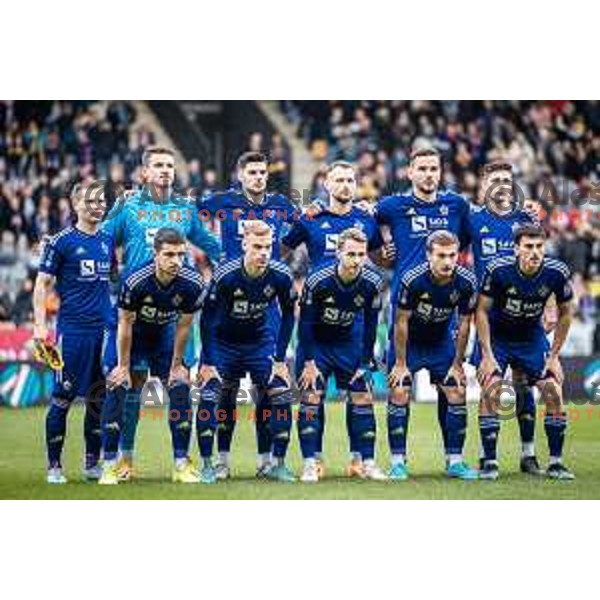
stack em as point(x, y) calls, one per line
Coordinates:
point(354, 234)
point(256, 227)
point(441, 237)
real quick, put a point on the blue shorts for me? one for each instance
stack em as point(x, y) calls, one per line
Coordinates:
point(436, 357)
point(526, 356)
point(109, 351)
point(81, 374)
point(152, 349)
point(233, 361)
point(341, 361)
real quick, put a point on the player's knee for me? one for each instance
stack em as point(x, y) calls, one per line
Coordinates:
point(312, 398)
point(399, 396)
point(361, 399)
point(551, 394)
point(455, 395)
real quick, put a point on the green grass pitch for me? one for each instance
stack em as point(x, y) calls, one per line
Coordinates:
point(22, 463)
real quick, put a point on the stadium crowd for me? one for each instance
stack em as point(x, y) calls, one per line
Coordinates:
point(554, 147)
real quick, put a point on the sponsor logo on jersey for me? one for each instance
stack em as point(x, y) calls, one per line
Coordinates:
point(148, 300)
point(238, 293)
point(418, 224)
point(331, 241)
point(484, 229)
point(80, 251)
point(411, 211)
point(87, 267)
point(489, 246)
point(325, 225)
point(329, 300)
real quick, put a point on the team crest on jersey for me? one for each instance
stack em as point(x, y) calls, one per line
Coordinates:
point(104, 247)
point(444, 210)
point(238, 293)
point(269, 291)
point(177, 300)
point(544, 290)
point(454, 296)
point(359, 301)
point(419, 224)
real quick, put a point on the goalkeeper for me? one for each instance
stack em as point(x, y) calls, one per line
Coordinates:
point(77, 262)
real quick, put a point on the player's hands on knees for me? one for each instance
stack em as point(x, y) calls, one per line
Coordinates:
point(119, 376)
point(553, 369)
point(456, 374)
point(280, 369)
point(309, 376)
point(179, 373)
point(487, 369)
point(205, 374)
point(398, 374)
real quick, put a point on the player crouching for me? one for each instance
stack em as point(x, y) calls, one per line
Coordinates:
point(514, 294)
point(430, 296)
point(331, 344)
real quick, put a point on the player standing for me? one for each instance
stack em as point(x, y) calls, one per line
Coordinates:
point(330, 344)
point(411, 218)
point(430, 296)
point(133, 224)
point(237, 338)
point(77, 261)
point(319, 231)
point(492, 227)
point(156, 308)
point(514, 293)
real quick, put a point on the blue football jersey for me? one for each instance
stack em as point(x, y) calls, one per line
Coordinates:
point(134, 223)
point(238, 306)
point(433, 306)
point(412, 220)
point(320, 233)
point(518, 300)
point(230, 209)
point(81, 263)
point(330, 308)
point(155, 304)
point(491, 235)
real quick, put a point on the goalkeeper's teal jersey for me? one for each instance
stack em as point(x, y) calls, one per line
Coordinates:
point(133, 223)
